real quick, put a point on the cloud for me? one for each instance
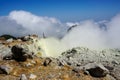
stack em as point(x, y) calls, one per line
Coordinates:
point(88, 33)
point(95, 35)
point(23, 22)
point(113, 31)
point(10, 27)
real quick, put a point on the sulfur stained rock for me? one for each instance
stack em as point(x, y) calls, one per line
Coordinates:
point(66, 77)
point(40, 72)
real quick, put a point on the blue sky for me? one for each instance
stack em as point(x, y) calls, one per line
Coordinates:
point(65, 10)
point(18, 18)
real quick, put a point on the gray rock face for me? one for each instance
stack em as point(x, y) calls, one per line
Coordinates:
point(5, 69)
point(4, 51)
point(96, 70)
point(81, 56)
point(30, 46)
point(116, 72)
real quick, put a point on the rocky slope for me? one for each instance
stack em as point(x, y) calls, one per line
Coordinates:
point(80, 56)
point(23, 59)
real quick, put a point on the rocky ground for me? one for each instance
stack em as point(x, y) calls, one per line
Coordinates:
point(22, 59)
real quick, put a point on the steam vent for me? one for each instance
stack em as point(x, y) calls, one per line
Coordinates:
point(27, 58)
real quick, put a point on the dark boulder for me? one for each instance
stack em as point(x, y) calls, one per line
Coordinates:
point(96, 70)
point(20, 53)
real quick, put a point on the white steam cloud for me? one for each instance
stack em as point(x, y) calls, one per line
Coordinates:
point(88, 33)
point(32, 24)
point(113, 32)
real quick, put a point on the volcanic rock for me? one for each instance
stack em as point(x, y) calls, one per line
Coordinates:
point(20, 53)
point(96, 70)
point(32, 76)
point(5, 69)
point(23, 77)
point(47, 61)
point(27, 56)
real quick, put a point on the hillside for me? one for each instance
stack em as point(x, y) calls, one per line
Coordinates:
point(25, 59)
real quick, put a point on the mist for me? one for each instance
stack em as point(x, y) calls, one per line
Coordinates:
point(95, 35)
point(88, 33)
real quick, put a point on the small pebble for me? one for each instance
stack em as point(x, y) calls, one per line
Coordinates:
point(23, 77)
point(32, 76)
